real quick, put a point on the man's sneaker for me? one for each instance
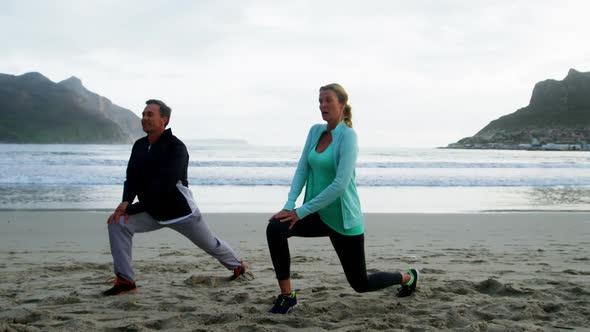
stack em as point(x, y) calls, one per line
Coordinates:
point(284, 303)
point(408, 289)
point(121, 286)
point(238, 271)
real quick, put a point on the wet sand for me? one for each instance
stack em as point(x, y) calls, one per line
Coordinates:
point(479, 272)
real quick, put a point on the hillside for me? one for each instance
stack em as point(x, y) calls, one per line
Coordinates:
point(37, 110)
point(558, 111)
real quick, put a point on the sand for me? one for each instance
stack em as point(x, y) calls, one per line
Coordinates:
point(479, 272)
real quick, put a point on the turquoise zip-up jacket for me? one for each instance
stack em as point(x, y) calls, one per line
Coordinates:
point(343, 187)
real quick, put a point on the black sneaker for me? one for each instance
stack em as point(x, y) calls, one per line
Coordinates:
point(408, 289)
point(238, 271)
point(121, 286)
point(284, 303)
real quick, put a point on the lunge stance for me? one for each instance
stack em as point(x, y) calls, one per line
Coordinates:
point(331, 206)
point(157, 176)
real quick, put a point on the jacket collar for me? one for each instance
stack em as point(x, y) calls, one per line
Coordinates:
point(166, 135)
point(339, 127)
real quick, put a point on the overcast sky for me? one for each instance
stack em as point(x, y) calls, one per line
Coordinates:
point(418, 73)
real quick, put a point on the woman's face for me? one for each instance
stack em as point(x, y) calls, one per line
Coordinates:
point(332, 109)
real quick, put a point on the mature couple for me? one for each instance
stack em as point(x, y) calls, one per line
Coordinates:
point(157, 177)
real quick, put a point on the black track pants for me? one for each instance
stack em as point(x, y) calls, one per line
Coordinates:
point(350, 250)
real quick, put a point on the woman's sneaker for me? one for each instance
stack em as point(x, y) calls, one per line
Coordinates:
point(121, 286)
point(284, 303)
point(408, 289)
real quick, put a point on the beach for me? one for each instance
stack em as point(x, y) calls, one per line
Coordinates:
point(479, 272)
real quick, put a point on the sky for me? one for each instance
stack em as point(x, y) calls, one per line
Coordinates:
point(418, 73)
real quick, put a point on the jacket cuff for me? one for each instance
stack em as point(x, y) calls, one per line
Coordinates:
point(302, 212)
point(289, 206)
point(134, 208)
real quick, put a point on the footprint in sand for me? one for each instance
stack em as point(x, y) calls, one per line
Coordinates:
point(22, 316)
point(213, 282)
point(495, 288)
point(162, 324)
point(59, 300)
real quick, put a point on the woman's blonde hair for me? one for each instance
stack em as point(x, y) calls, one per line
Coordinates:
point(343, 99)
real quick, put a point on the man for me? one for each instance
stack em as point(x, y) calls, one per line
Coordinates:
point(157, 176)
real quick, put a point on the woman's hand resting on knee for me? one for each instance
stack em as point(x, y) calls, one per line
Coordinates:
point(286, 216)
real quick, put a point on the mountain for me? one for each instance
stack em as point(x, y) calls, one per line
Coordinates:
point(126, 119)
point(558, 111)
point(36, 110)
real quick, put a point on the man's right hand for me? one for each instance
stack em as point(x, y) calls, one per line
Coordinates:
point(119, 212)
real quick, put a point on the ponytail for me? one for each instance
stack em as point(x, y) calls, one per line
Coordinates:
point(348, 115)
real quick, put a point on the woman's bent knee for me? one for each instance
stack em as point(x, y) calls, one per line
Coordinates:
point(274, 229)
point(359, 288)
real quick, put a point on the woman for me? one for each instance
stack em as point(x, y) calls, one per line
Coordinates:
point(331, 206)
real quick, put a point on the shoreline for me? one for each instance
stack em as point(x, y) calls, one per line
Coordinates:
point(270, 199)
point(478, 271)
point(101, 210)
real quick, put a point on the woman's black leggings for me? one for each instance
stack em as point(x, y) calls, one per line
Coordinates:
point(350, 250)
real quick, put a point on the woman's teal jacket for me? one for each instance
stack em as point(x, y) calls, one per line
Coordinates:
point(343, 187)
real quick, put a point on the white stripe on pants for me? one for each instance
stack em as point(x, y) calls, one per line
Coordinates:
point(193, 227)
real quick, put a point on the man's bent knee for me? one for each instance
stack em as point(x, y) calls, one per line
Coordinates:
point(120, 227)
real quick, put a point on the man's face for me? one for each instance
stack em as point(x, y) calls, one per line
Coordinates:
point(151, 120)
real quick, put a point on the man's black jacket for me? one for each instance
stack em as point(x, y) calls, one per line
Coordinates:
point(152, 174)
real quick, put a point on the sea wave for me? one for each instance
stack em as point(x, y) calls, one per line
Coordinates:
point(292, 164)
point(263, 166)
point(370, 181)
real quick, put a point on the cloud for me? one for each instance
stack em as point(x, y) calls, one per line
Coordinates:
point(252, 69)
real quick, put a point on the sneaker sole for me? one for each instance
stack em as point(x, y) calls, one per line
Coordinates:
point(128, 291)
point(286, 313)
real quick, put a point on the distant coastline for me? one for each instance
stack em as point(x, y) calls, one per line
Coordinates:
point(551, 146)
point(216, 141)
point(197, 141)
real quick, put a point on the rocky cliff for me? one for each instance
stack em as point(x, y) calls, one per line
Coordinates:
point(558, 110)
point(33, 109)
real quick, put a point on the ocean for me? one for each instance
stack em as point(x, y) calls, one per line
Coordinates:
point(248, 178)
